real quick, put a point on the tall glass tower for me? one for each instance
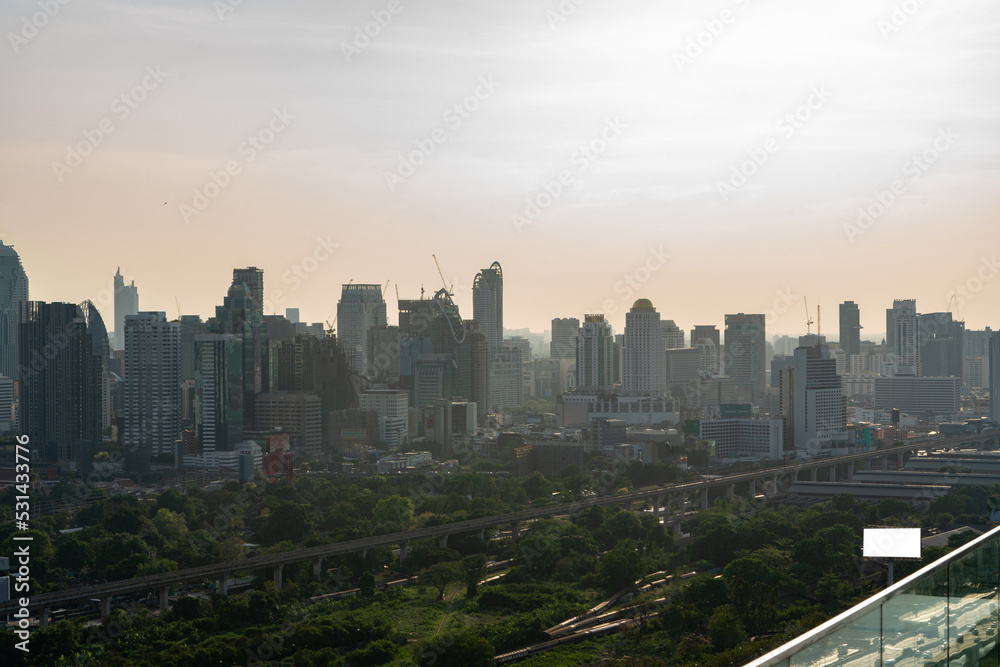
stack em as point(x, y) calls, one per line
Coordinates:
point(13, 290)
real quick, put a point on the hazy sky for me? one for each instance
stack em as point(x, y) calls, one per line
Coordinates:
point(715, 155)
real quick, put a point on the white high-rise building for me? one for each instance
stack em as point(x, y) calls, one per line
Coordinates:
point(152, 382)
point(673, 335)
point(506, 378)
point(126, 303)
point(595, 349)
point(644, 367)
point(901, 336)
point(360, 308)
point(819, 410)
point(745, 351)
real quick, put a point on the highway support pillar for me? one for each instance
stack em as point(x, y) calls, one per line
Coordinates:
point(704, 498)
point(656, 508)
point(482, 534)
point(516, 531)
point(812, 475)
point(164, 592)
point(443, 542)
point(105, 607)
point(43, 618)
point(317, 568)
point(730, 490)
point(277, 576)
point(403, 548)
point(223, 587)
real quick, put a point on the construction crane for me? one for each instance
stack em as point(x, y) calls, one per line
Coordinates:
point(385, 288)
point(819, 322)
point(178, 302)
point(809, 319)
point(953, 300)
point(444, 282)
point(396, 285)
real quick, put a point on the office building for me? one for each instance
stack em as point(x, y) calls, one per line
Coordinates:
point(521, 343)
point(239, 315)
point(126, 303)
point(643, 351)
point(918, 395)
point(673, 335)
point(901, 337)
point(296, 413)
point(253, 279)
point(13, 290)
point(384, 354)
point(941, 341)
point(705, 331)
point(744, 437)
point(506, 382)
point(595, 350)
point(994, 376)
point(745, 352)
point(814, 404)
point(219, 395)
point(316, 366)
point(152, 383)
point(64, 390)
point(850, 328)
point(360, 308)
point(190, 326)
point(487, 304)
point(391, 407)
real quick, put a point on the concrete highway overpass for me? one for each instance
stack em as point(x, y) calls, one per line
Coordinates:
point(673, 499)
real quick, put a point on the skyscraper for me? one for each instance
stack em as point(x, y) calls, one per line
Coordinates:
point(126, 303)
point(487, 304)
point(360, 308)
point(901, 336)
point(941, 342)
point(152, 367)
point(63, 373)
point(643, 351)
point(13, 290)
point(564, 332)
point(994, 376)
point(850, 328)
point(239, 315)
point(595, 354)
point(818, 407)
point(745, 351)
point(219, 391)
point(253, 278)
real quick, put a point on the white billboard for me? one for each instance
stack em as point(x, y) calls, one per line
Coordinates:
point(891, 543)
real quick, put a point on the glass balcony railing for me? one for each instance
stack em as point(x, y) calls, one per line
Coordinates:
point(943, 615)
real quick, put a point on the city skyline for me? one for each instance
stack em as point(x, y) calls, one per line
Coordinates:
point(713, 159)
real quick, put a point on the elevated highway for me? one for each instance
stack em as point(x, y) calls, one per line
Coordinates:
point(676, 494)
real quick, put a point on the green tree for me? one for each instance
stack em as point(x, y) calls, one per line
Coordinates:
point(753, 592)
point(440, 575)
point(366, 582)
point(474, 568)
point(171, 525)
point(725, 628)
point(395, 510)
point(622, 565)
